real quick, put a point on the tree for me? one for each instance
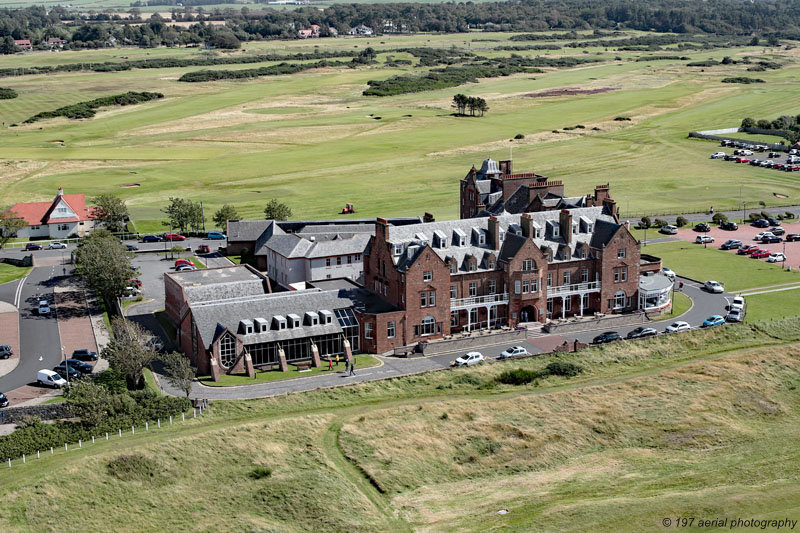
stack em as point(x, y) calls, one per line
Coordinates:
point(460, 103)
point(754, 41)
point(481, 106)
point(130, 350)
point(719, 218)
point(10, 224)
point(224, 214)
point(89, 401)
point(276, 210)
point(182, 214)
point(748, 123)
point(645, 222)
point(110, 211)
point(104, 264)
point(180, 373)
point(8, 46)
point(681, 221)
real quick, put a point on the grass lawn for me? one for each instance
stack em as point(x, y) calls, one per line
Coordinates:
point(773, 305)
point(736, 272)
point(57, 399)
point(10, 272)
point(680, 304)
point(150, 382)
point(362, 361)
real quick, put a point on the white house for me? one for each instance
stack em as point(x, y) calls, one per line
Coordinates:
point(64, 216)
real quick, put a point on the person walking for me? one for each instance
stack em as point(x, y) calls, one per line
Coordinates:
point(337, 360)
point(346, 365)
point(330, 364)
point(353, 367)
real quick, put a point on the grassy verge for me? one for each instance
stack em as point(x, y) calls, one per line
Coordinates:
point(150, 382)
point(736, 272)
point(680, 304)
point(773, 305)
point(57, 399)
point(362, 361)
point(10, 272)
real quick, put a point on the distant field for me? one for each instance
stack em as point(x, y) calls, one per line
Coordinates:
point(314, 142)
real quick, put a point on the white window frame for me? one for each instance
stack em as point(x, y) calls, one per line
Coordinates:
point(427, 275)
point(390, 329)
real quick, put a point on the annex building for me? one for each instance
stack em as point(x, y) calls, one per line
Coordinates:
point(64, 216)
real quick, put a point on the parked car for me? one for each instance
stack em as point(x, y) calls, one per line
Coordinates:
point(704, 239)
point(5, 351)
point(135, 282)
point(183, 261)
point(152, 238)
point(774, 154)
point(641, 332)
point(216, 235)
point(762, 235)
point(84, 355)
point(67, 372)
point(678, 326)
point(731, 244)
point(729, 226)
point(203, 249)
point(184, 268)
point(131, 247)
point(713, 320)
point(668, 272)
point(514, 351)
point(469, 359)
point(792, 237)
point(760, 254)
point(776, 257)
point(174, 237)
point(773, 221)
point(714, 287)
point(760, 223)
point(44, 308)
point(131, 291)
point(736, 303)
point(734, 315)
point(55, 245)
point(50, 379)
point(3, 400)
point(80, 366)
point(778, 231)
point(702, 227)
point(771, 239)
point(32, 246)
point(608, 336)
point(717, 155)
point(669, 230)
point(747, 250)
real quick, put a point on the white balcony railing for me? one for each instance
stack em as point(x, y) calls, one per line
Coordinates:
point(575, 288)
point(478, 301)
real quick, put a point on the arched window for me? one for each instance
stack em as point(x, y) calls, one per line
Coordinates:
point(619, 300)
point(227, 350)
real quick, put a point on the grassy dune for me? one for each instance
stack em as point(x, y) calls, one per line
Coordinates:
point(664, 427)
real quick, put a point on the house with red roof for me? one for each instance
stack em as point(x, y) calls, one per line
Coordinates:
point(24, 44)
point(65, 215)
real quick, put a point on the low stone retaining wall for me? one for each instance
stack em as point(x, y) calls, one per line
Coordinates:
point(26, 261)
point(597, 323)
point(471, 343)
point(53, 411)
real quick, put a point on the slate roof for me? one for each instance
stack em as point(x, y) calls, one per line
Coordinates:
point(324, 245)
point(212, 317)
point(210, 284)
point(654, 282)
point(408, 236)
point(247, 230)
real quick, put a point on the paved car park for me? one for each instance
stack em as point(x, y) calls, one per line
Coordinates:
point(746, 233)
point(759, 155)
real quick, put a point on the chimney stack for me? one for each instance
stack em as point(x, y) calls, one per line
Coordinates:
point(610, 206)
point(527, 225)
point(507, 167)
point(565, 221)
point(494, 232)
point(427, 217)
point(601, 192)
point(382, 229)
point(60, 191)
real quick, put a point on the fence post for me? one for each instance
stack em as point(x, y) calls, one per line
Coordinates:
point(183, 417)
point(147, 426)
point(9, 462)
point(170, 420)
point(80, 444)
point(194, 413)
point(159, 423)
point(51, 450)
point(133, 430)
point(92, 439)
point(38, 456)
point(120, 432)
point(23, 458)
point(66, 448)
point(106, 435)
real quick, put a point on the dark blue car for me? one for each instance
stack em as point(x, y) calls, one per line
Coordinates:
point(152, 238)
point(761, 223)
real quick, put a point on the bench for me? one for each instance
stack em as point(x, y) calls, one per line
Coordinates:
point(302, 366)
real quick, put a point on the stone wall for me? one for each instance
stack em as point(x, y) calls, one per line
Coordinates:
point(53, 411)
point(470, 343)
point(598, 323)
point(26, 261)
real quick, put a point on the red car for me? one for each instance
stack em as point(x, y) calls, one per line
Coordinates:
point(746, 250)
point(760, 254)
point(180, 262)
point(203, 249)
point(135, 282)
point(174, 237)
point(742, 160)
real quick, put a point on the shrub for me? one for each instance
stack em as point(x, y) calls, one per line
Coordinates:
point(7, 94)
point(87, 109)
point(520, 376)
point(765, 214)
point(789, 214)
point(660, 223)
point(519, 136)
point(562, 368)
point(467, 379)
point(444, 416)
point(742, 79)
point(719, 218)
point(681, 221)
point(260, 472)
point(754, 216)
point(134, 467)
point(620, 119)
point(645, 222)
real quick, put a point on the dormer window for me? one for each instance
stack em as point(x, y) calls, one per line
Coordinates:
point(398, 249)
point(556, 230)
point(491, 264)
point(502, 235)
point(326, 317)
point(246, 327)
point(453, 267)
point(294, 321)
point(279, 322)
point(261, 325)
point(473, 265)
point(481, 239)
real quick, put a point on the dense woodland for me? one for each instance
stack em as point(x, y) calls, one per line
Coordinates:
point(767, 18)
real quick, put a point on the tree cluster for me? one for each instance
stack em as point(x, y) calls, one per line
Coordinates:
point(110, 212)
point(104, 264)
point(183, 214)
point(87, 109)
point(469, 104)
point(10, 224)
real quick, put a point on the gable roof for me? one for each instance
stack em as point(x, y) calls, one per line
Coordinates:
point(36, 213)
point(603, 232)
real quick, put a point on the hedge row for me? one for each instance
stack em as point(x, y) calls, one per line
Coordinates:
point(87, 109)
point(274, 70)
point(7, 94)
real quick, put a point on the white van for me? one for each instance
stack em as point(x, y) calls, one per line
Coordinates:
point(49, 378)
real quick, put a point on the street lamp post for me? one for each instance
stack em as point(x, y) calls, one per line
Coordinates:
point(744, 214)
point(783, 262)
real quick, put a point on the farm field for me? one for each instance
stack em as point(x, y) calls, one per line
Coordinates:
point(313, 141)
point(647, 429)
